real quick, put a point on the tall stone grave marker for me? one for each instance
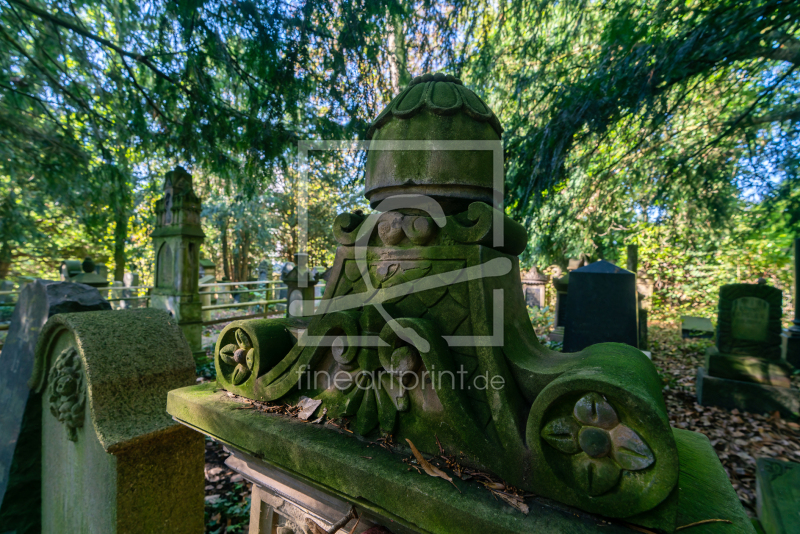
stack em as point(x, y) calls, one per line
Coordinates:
point(112, 460)
point(744, 370)
point(534, 285)
point(421, 290)
point(601, 307)
point(20, 420)
point(176, 241)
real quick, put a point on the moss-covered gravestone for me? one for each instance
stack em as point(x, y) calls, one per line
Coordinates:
point(20, 420)
point(778, 495)
point(176, 241)
point(423, 338)
point(744, 370)
point(113, 461)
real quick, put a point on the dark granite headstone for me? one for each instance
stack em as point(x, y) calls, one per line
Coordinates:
point(20, 410)
point(778, 495)
point(601, 307)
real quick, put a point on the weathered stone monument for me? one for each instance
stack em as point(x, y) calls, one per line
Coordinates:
point(176, 241)
point(792, 336)
point(644, 293)
point(778, 495)
point(534, 286)
point(428, 288)
point(300, 282)
point(85, 272)
point(602, 306)
point(744, 370)
point(696, 327)
point(207, 268)
point(561, 285)
point(20, 419)
point(112, 460)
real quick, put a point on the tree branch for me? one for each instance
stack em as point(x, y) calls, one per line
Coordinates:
point(105, 42)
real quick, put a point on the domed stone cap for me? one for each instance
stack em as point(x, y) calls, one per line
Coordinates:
point(442, 94)
point(434, 107)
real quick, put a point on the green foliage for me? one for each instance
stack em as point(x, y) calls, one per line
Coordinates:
point(229, 513)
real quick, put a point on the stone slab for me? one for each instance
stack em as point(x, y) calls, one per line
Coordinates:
point(696, 327)
point(374, 479)
point(749, 369)
point(20, 424)
point(778, 495)
point(746, 396)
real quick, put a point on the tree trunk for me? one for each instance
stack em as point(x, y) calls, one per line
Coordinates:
point(398, 63)
point(5, 260)
point(223, 230)
point(244, 263)
point(120, 236)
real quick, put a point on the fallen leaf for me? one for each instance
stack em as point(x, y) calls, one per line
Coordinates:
point(307, 407)
point(432, 470)
point(321, 417)
point(514, 500)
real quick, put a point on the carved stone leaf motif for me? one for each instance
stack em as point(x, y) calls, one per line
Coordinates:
point(562, 433)
point(66, 390)
point(630, 451)
point(594, 410)
point(594, 475)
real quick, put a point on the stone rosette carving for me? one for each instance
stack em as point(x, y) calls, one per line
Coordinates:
point(601, 446)
point(67, 392)
point(239, 356)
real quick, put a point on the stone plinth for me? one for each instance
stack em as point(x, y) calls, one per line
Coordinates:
point(315, 468)
point(113, 461)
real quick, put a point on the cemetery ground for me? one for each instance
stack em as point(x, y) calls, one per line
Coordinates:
point(738, 438)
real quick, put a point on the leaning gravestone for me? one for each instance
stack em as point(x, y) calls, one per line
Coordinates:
point(778, 496)
point(744, 370)
point(20, 421)
point(601, 307)
point(423, 290)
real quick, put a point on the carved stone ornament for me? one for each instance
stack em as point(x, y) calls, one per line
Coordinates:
point(67, 392)
point(423, 332)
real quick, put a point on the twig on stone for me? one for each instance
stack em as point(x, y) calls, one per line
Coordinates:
point(703, 522)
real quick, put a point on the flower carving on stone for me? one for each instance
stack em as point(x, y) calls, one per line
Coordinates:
point(600, 446)
point(66, 392)
point(241, 355)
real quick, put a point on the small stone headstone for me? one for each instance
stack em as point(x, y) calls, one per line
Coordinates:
point(778, 495)
point(601, 307)
point(696, 327)
point(19, 437)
